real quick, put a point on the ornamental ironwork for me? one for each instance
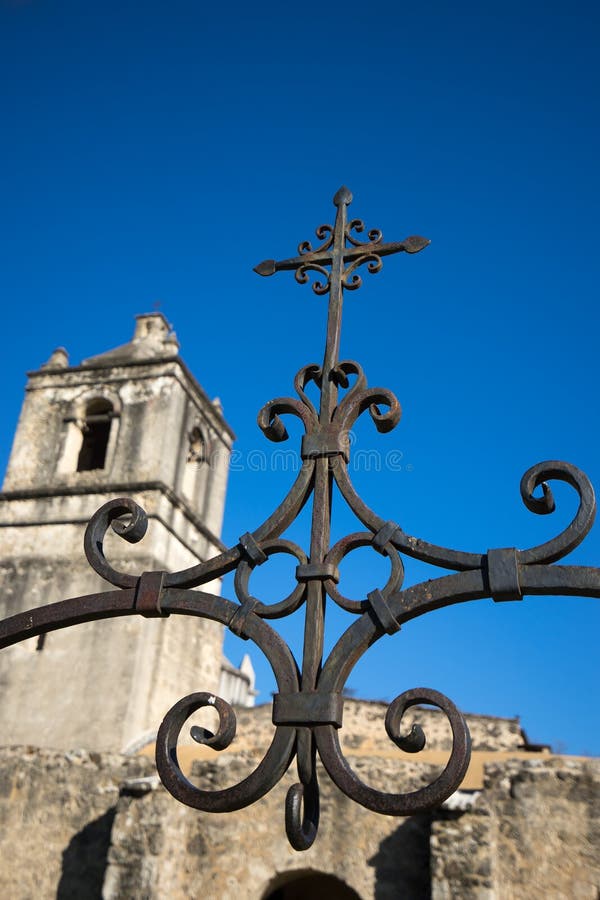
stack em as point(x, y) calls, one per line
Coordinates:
point(308, 707)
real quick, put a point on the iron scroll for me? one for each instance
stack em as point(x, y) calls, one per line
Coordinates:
point(308, 708)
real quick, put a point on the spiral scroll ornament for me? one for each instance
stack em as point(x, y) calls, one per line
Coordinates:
point(129, 521)
point(404, 804)
point(308, 705)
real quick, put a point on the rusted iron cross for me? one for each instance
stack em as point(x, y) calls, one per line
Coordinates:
point(340, 245)
point(344, 254)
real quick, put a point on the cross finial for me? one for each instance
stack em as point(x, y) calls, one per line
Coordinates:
point(352, 251)
point(336, 260)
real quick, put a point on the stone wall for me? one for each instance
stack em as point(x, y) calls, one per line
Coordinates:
point(84, 825)
point(56, 813)
point(363, 731)
point(534, 831)
point(242, 855)
point(101, 685)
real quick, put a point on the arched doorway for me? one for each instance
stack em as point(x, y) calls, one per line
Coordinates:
point(309, 885)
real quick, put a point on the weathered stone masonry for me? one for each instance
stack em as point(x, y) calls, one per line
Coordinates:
point(145, 426)
point(87, 825)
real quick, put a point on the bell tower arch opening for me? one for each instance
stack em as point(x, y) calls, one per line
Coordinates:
point(96, 432)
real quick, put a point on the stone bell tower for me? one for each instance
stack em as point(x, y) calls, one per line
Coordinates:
point(131, 422)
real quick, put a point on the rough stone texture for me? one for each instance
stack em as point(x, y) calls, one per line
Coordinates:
point(363, 737)
point(364, 733)
point(106, 685)
point(87, 825)
point(160, 849)
point(534, 831)
point(57, 812)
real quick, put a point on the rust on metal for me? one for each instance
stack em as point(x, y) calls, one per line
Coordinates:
point(308, 707)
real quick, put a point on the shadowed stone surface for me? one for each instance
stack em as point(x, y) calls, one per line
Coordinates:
point(85, 825)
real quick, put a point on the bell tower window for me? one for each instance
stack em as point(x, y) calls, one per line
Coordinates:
point(197, 461)
point(96, 432)
point(197, 446)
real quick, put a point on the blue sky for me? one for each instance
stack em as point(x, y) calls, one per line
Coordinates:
point(157, 152)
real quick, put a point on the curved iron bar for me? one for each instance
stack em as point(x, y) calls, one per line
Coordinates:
point(375, 236)
point(308, 708)
point(347, 545)
point(280, 753)
point(302, 806)
point(405, 804)
point(351, 279)
point(324, 234)
point(277, 522)
point(271, 610)
point(302, 277)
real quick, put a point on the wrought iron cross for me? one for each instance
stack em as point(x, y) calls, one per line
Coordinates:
point(308, 708)
point(344, 254)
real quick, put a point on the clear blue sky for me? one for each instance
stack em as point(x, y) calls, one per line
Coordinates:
point(158, 151)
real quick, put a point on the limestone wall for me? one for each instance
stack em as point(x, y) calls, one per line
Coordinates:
point(56, 815)
point(102, 685)
point(91, 825)
point(534, 831)
point(162, 850)
point(363, 731)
